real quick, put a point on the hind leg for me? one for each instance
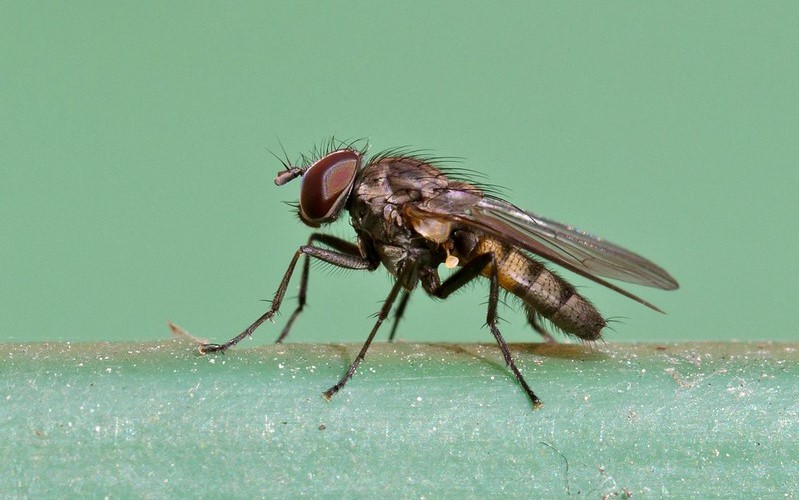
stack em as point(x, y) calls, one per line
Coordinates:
point(535, 321)
point(464, 275)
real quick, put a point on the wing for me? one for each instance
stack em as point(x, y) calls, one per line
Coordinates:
point(575, 250)
point(580, 249)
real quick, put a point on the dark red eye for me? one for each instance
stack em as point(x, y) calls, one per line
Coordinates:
point(326, 185)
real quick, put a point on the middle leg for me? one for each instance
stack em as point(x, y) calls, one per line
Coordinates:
point(398, 314)
point(381, 316)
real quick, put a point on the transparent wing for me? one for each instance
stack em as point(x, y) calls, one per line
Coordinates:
point(575, 250)
point(580, 249)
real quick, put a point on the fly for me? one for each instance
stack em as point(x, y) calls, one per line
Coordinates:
point(411, 216)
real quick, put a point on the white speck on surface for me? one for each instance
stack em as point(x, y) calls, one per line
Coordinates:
point(269, 427)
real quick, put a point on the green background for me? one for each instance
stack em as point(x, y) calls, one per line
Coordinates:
point(137, 187)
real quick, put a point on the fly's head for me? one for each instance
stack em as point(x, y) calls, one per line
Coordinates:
point(326, 185)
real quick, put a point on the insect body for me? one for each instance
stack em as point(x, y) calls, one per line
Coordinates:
point(412, 217)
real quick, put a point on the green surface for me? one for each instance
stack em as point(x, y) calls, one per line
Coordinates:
point(136, 185)
point(418, 420)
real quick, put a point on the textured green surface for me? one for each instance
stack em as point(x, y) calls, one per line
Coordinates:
point(155, 420)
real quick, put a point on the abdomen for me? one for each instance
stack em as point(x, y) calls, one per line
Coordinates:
point(543, 292)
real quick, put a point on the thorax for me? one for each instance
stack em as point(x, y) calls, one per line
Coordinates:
point(381, 190)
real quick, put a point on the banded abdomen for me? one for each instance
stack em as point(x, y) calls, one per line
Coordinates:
point(543, 292)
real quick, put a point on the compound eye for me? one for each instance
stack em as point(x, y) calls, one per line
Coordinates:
point(326, 185)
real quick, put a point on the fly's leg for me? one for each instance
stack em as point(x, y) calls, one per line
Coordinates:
point(398, 314)
point(336, 258)
point(464, 275)
point(381, 316)
point(535, 322)
point(343, 246)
